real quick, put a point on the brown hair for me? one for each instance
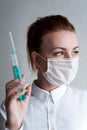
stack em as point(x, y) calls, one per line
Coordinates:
point(41, 27)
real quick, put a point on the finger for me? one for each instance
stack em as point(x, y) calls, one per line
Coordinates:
point(14, 82)
point(27, 93)
point(28, 88)
point(23, 76)
point(16, 89)
point(17, 80)
point(15, 96)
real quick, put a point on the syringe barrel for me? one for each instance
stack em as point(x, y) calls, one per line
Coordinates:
point(15, 66)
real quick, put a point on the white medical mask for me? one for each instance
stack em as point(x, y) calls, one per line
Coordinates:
point(60, 71)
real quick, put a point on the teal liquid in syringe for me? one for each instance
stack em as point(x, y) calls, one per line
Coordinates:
point(15, 67)
point(16, 71)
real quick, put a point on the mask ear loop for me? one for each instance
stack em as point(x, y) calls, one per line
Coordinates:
point(42, 57)
point(44, 60)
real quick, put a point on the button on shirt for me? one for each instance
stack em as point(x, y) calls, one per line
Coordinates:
point(64, 108)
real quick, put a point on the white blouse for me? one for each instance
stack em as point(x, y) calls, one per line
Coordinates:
point(64, 108)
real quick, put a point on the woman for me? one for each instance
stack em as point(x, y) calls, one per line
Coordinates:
point(52, 104)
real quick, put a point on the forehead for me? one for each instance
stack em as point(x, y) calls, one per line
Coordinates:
point(64, 39)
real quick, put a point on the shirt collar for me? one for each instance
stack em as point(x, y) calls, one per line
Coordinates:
point(42, 94)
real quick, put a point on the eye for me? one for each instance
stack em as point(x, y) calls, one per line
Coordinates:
point(60, 53)
point(75, 52)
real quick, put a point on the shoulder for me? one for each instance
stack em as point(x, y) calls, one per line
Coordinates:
point(3, 110)
point(2, 106)
point(77, 94)
point(76, 91)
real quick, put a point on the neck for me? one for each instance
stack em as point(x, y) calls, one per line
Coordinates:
point(43, 84)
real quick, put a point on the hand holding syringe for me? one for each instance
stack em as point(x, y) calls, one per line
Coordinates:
point(16, 93)
point(16, 68)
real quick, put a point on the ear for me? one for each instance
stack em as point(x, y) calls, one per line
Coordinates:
point(35, 59)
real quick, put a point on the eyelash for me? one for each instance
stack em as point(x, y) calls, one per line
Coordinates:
point(62, 53)
point(59, 53)
point(76, 52)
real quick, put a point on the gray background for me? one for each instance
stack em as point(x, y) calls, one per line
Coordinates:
point(16, 15)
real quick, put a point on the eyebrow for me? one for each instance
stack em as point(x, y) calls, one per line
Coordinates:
point(65, 48)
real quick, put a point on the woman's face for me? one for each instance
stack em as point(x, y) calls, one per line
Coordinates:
point(61, 44)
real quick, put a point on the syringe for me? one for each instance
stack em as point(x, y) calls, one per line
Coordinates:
point(15, 67)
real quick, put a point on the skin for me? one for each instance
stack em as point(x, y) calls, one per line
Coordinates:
point(61, 44)
point(13, 106)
